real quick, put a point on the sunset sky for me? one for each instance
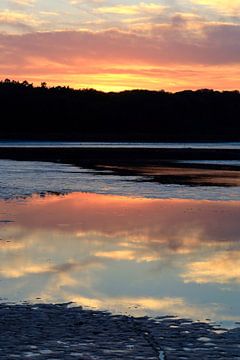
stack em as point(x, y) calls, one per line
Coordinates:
point(115, 45)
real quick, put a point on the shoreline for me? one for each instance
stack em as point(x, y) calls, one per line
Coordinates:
point(60, 331)
point(163, 166)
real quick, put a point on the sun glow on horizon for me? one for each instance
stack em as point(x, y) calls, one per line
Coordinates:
point(173, 80)
point(114, 47)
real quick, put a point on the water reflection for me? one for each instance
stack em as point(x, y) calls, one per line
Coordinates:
point(125, 254)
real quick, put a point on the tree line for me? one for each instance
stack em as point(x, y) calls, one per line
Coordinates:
point(29, 112)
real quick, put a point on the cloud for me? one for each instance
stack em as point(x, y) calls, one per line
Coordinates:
point(17, 20)
point(129, 10)
point(170, 57)
point(23, 2)
point(145, 44)
point(91, 2)
point(184, 53)
point(224, 7)
point(216, 45)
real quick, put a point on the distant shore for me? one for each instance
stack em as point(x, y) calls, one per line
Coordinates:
point(90, 156)
point(61, 113)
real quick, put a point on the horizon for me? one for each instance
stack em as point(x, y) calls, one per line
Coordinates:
point(115, 46)
point(45, 85)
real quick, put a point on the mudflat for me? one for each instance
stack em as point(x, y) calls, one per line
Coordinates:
point(47, 331)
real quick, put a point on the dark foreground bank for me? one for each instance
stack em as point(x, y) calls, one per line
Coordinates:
point(91, 156)
point(61, 332)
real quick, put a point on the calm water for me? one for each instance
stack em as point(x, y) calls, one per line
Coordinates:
point(123, 243)
point(131, 255)
point(151, 145)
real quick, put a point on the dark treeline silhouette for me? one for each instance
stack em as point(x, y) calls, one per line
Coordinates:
point(29, 112)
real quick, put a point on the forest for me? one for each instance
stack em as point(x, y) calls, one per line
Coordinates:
point(63, 113)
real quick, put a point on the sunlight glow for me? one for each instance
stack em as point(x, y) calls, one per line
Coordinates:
point(114, 47)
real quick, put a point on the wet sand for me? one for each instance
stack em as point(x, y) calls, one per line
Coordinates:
point(63, 332)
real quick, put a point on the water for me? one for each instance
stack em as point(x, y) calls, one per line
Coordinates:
point(129, 255)
point(130, 244)
point(24, 178)
point(139, 145)
point(212, 162)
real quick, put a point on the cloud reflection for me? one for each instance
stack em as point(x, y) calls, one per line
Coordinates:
point(220, 268)
point(98, 250)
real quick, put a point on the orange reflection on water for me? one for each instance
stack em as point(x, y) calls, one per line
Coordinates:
point(83, 246)
point(178, 223)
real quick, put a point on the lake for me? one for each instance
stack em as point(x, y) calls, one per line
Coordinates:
point(131, 244)
point(144, 145)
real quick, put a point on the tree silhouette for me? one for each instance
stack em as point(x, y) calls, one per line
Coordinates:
point(87, 114)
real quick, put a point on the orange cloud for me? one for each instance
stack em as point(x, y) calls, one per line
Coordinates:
point(173, 57)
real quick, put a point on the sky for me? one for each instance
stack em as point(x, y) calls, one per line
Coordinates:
point(116, 45)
